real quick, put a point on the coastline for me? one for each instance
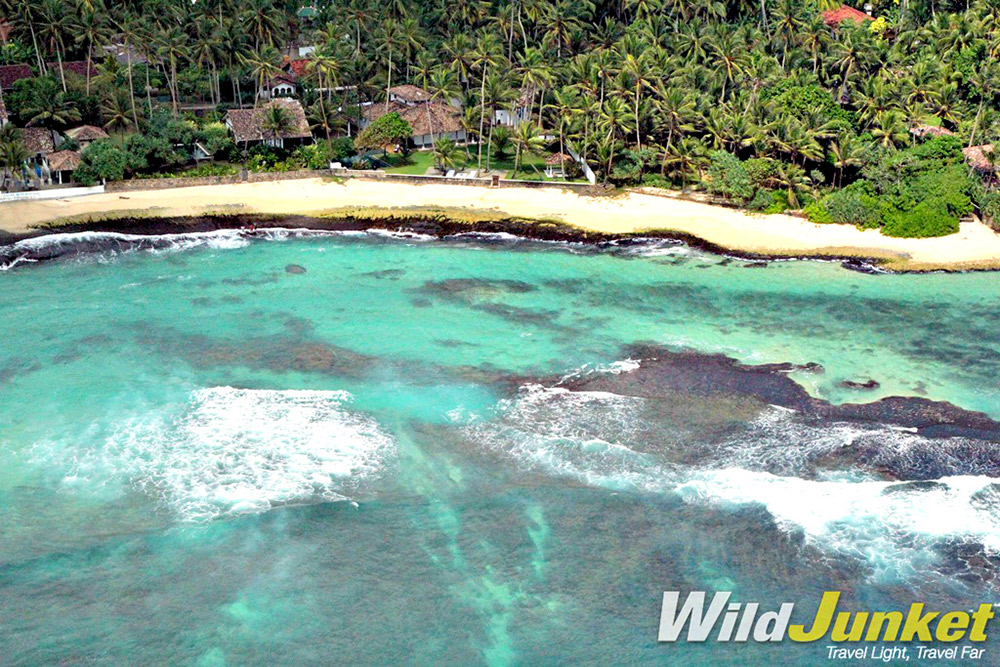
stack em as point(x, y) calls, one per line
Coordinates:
point(532, 212)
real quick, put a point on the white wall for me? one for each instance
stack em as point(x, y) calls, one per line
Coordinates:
point(58, 193)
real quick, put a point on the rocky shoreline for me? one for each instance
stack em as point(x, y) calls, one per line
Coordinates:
point(12, 251)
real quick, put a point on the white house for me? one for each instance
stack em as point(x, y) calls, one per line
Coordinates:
point(518, 112)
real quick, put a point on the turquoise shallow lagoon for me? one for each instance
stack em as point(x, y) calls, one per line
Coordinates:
point(366, 449)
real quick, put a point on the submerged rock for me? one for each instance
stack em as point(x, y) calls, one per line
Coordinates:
point(295, 269)
point(860, 384)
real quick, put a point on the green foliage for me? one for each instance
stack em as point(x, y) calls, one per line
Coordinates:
point(922, 191)
point(101, 161)
point(928, 218)
point(215, 138)
point(14, 52)
point(387, 130)
point(342, 148)
point(817, 212)
point(802, 101)
point(729, 178)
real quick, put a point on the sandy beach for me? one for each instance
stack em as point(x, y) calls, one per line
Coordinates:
point(975, 246)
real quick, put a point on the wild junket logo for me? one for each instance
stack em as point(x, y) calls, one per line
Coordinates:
point(741, 622)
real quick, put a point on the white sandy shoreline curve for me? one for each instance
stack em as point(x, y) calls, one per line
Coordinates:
point(975, 246)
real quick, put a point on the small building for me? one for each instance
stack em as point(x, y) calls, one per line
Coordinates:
point(62, 164)
point(981, 158)
point(247, 125)
point(408, 95)
point(430, 121)
point(921, 131)
point(39, 143)
point(555, 165)
point(518, 112)
point(11, 74)
point(834, 17)
point(282, 85)
point(86, 135)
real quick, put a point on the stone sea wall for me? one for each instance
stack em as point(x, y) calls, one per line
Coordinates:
point(187, 182)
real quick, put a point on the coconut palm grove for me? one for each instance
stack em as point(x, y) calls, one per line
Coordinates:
point(882, 115)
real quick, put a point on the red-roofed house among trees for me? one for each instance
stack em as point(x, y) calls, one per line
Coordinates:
point(430, 121)
point(11, 74)
point(834, 17)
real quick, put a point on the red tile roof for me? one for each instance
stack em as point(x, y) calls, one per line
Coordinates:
point(834, 17)
point(86, 133)
point(38, 140)
point(977, 157)
point(410, 93)
point(73, 66)
point(443, 117)
point(298, 67)
point(64, 161)
point(247, 124)
point(11, 74)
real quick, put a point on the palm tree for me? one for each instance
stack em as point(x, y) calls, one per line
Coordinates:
point(528, 141)
point(90, 29)
point(852, 53)
point(276, 121)
point(483, 57)
point(261, 22)
point(729, 57)
point(116, 110)
point(676, 109)
point(263, 64)
point(889, 129)
point(172, 47)
point(847, 152)
point(50, 108)
point(12, 152)
point(390, 40)
point(613, 122)
point(129, 32)
point(447, 155)
point(498, 93)
point(441, 87)
point(55, 25)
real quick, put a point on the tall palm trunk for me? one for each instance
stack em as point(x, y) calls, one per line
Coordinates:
point(90, 59)
point(62, 72)
point(482, 117)
point(131, 87)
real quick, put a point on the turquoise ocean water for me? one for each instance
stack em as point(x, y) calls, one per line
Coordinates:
point(209, 456)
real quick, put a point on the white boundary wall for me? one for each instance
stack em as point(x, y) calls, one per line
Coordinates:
point(58, 193)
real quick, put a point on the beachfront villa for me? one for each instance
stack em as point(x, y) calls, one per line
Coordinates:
point(249, 126)
point(431, 120)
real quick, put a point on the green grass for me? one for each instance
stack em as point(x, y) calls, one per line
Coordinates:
point(416, 163)
point(532, 167)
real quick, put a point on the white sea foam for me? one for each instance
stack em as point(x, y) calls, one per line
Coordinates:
point(597, 438)
point(234, 451)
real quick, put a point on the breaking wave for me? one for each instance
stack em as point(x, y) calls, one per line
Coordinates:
point(235, 451)
point(940, 492)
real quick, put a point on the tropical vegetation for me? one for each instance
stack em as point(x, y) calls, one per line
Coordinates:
point(763, 104)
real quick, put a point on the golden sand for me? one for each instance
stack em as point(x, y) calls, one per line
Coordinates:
point(975, 246)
